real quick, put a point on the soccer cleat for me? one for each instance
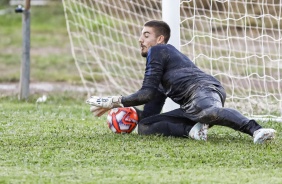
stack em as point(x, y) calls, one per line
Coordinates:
point(263, 134)
point(199, 132)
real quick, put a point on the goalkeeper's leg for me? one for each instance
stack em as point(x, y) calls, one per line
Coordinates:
point(207, 107)
point(172, 123)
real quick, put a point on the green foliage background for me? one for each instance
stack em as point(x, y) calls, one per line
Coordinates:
point(51, 59)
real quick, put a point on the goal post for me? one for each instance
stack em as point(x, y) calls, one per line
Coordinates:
point(238, 42)
point(171, 15)
point(25, 61)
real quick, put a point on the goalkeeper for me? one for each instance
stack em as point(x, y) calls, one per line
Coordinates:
point(169, 73)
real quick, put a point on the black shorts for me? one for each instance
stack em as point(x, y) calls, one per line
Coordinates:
point(203, 98)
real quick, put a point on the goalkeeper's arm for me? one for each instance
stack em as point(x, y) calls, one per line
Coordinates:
point(153, 107)
point(142, 96)
point(99, 105)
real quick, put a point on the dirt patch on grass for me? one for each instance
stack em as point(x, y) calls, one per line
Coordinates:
point(41, 87)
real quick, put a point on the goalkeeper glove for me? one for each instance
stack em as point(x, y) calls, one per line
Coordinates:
point(105, 102)
point(100, 105)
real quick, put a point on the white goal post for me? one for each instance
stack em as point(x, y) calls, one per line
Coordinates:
point(238, 42)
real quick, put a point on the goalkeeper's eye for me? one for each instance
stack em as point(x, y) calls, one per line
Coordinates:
point(146, 35)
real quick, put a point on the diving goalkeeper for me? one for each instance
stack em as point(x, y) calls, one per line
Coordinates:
point(169, 73)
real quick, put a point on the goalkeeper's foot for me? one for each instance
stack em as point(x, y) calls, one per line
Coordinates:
point(264, 134)
point(199, 132)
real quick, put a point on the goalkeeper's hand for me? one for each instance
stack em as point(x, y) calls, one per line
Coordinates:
point(100, 105)
point(98, 111)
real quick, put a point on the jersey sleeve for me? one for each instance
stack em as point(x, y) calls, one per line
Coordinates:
point(142, 96)
point(151, 82)
point(155, 106)
point(154, 68)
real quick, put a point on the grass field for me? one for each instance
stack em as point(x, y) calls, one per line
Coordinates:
point(59, 141)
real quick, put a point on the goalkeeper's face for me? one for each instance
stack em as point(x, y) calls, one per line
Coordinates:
point(148, 39)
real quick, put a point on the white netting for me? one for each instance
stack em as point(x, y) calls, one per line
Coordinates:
point(238, 42)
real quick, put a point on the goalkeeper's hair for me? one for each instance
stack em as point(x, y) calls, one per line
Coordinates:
point(160, 27)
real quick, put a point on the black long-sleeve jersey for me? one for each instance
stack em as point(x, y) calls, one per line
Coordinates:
point(175, 72)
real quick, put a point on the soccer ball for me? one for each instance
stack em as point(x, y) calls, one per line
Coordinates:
point(122, 120)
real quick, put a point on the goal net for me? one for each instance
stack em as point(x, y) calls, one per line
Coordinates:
point(238, 42)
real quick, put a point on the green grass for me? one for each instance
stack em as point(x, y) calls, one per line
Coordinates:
point(59, 141)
